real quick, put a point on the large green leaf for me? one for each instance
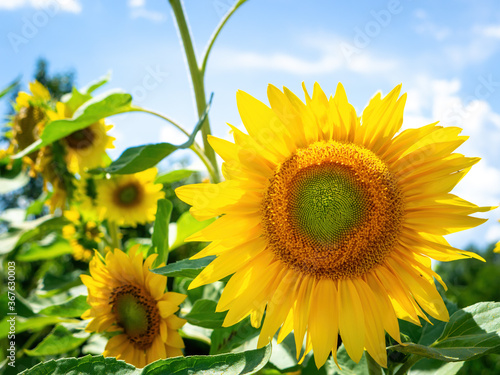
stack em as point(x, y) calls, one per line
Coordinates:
point(203, 314)
point(62, 339)
point(186, 226)
point(8, 185)
point(243, 363)
point(228, 338)
point(37, 252)
point(184, 268)
point(173, 176)
point(107, 104)
point(83, 366)
point(160, 231)
point(471, 333)
point(139, 158)
point(72, 308)
point(34, 324)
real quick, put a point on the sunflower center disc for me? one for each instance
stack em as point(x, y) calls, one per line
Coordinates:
point(81, 139)
point(324, 203)
point(128, 194)
point(332, 210)
point(137, 313)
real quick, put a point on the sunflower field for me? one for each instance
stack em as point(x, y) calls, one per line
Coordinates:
point(311, 241)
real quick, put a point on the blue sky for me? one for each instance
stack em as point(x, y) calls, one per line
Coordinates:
point(445, 53)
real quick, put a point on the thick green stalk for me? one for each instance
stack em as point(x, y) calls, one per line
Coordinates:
point(412, 359)
point(197, 80)
point(373, 367)
point(113, 232)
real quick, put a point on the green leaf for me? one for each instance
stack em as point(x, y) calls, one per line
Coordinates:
point(184, 268)
point(9, 88)
point(428, 366)
point(10, 184)
point(60, 340)
point(242, 363)
point(104, 105)
point(34, 324)
point(92, 86)
point(139, 158)
point(174, 176)
point(72, 308)
point(228, 338)
point(75, 100)
point(29, 231)
point(203, 314)
point(160, 231)
point(471, 333)
point(87, 365)
point(186, 226)
point(37, 252)
point(36, 207)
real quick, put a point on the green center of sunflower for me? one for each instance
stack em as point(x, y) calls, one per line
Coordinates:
point(131, 314)
point(332, 210)
point(128, 194)
point(137, 313)
point(325, 202)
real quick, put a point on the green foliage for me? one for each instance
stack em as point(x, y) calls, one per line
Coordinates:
point(63, 338)
point(139, 158)
point(184, 268)
point(231, 364)
point(471, 333)
point(160, 231)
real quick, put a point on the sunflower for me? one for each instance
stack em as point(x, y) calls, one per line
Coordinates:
point(328, 221)
point(129, 199)
point(30, 119)
point(85, 148)
point(83, 235)
point(127, 299)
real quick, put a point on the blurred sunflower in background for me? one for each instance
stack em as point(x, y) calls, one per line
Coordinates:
point(129, 300)
point(328, 221)
point(85, 148)
point(129, 199)
point(29, 121)
point(83, 235)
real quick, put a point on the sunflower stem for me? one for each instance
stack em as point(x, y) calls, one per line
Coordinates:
point(197, 80)
point(373, 367)
point(412, 359)
point(114, 234)
point(216, 34)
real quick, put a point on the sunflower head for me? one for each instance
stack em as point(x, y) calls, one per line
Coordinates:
point(30, 119)
point(328, 221)
point(126, 298)
point(85, 148)
point(129, 199)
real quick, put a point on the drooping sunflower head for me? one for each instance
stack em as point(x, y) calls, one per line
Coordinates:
point(130, 199)
point(30, 119)
point(85, 148)
point(127, 299)
point(329, 221)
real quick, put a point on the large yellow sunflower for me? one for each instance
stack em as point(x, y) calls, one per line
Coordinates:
point(329, 221)
point(125, 297)
point(85, 148)
point(129, 199)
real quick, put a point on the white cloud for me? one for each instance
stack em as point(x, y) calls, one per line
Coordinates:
point(147, 14)
point(71, 6)
point(136, 3)
point(138, 10)
point(426, 27)
point(492, 31)
point(334, 54)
